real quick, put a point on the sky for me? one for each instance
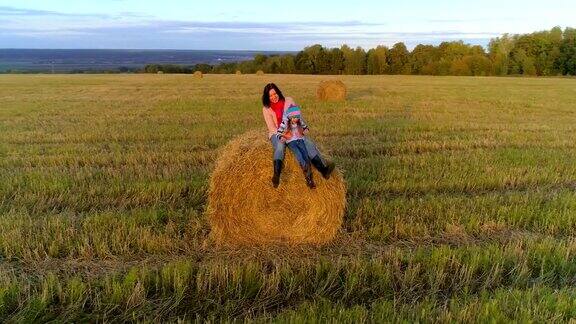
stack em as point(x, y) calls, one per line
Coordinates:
point(269, 25)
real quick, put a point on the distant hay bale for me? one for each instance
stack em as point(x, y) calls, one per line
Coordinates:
point(238, 72)
point(160, 72)
point(198, 74)
point(245, 209)
point(331, 91)
point(259, 72)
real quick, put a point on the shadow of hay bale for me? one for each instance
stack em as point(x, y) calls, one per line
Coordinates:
point(332, 90)
point(245, 209)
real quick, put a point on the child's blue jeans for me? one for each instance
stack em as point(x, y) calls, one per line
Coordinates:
point(298, 147)
point(279, 147)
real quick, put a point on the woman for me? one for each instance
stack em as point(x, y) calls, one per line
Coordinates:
point(273, 108)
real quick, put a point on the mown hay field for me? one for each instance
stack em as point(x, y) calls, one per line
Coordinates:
point(461, 200)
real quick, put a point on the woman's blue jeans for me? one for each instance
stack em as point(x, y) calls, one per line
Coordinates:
point(280, 148)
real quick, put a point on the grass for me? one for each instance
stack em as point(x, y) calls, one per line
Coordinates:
point(461, 201)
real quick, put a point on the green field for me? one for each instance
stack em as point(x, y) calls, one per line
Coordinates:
point(461, 201)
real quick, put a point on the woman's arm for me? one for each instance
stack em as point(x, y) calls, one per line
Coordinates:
point(270, 120)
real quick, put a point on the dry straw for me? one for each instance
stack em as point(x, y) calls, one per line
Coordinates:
point(245, 209)
point(259, 72)
point(331, 91)
point(238, 72)
point(198, 74)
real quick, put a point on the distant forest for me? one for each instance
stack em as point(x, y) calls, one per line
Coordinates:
point(544, 53)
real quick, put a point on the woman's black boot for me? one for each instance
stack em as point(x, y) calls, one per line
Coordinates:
point(277, 171)
point(325, 170)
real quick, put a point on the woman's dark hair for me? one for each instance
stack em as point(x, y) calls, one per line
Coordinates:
point(266, 94)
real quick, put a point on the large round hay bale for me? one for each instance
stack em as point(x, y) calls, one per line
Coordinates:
point(238, 72)
point(245, 209)
point(259, 72)
point(333, 90)
point(198, 74)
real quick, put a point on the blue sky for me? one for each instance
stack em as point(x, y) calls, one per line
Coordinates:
point(268, 25)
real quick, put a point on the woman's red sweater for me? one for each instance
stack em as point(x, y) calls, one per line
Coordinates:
point(278, 109)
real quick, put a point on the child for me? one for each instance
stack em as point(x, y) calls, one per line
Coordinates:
point(292, 129)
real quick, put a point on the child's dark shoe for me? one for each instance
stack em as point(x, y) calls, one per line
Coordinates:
point(308, 176)
point(310, 183)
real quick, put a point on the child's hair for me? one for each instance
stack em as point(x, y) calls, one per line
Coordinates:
point(266, 94)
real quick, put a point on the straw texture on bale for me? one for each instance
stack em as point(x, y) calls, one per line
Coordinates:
point(245, 209)
point(259, 72)
point(198, 74)
point(331, 91)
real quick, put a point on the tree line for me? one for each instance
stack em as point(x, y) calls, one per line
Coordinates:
point(543, 53)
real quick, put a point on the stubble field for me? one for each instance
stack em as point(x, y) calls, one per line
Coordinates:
point(461, 201)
